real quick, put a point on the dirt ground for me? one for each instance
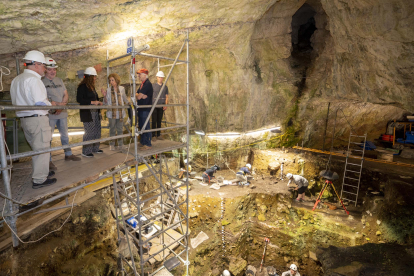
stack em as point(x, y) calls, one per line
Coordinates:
point(269, 185)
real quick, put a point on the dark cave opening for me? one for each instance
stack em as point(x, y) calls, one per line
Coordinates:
point(303, 27)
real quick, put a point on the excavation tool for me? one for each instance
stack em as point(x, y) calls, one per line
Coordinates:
point(329, 176)
point(264, 252)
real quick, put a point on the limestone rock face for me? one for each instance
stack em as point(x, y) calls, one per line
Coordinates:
point(253, 63)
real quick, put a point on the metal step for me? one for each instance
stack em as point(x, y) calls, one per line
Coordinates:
point(356, 136)
point(352, 171)
point(354, 164)
point(352, 178)
point(356, 143)
point(349, 193)
point(356, 187)
point(348, 199)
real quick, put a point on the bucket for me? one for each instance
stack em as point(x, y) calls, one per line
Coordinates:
point(387, 137)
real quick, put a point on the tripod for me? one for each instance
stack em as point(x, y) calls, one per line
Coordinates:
point(327, 182)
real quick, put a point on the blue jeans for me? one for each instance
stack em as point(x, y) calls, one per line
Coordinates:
point(62, 126)
point(145, 137)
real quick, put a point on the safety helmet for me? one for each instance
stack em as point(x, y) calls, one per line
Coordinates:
point(248, 165)
point(226, 273)
point(293, 267)
point(50, 63)
point(90, 71)
point(289, 176)
point(160, 74)
point(34, 56)
point(185, 161)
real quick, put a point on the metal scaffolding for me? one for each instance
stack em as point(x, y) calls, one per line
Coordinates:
point(156, 213)
point(144, 226)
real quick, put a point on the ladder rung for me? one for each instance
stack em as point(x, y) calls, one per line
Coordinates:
point(356, 135)
point(348, 199)
point(356, 187)
point(356, 143)
point(354, 164)
point(349, 193)
point(356, 150)
point(352, 171)
point(352, 178)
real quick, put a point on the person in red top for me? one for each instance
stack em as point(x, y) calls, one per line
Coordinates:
point(144, 97)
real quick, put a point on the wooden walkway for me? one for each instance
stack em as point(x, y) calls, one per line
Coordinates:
point(73, 173)
point(69, 174)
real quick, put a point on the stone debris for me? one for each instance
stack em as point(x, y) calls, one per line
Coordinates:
point(312, 255)
point(201, 237)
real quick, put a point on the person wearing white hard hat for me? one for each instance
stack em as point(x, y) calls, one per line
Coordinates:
point(183, 170)
point(293, 271)
point(226, 273)
point(302, 184)
point(241, 174)
point(91, 118)
point(115, 95)
point(56, 91)
point(28, 89)
point(158, 111)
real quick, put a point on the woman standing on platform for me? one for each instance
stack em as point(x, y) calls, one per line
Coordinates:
point(91, 118)
point(115, 95)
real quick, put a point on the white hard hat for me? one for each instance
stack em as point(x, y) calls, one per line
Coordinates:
point(226, 273)
point(293, 267)
point(160, 74)
point(35, 56)
point(289, 175)
point(185, 161)
point(50, 63)
point(249, 166)
point(90, 71)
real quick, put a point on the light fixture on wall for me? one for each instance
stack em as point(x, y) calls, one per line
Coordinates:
point(70, 133)
point(262, 131)
point(224, 135)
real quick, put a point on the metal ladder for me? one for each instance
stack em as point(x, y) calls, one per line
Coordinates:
point(169, 216)
point(352, 173)
point(129, 186)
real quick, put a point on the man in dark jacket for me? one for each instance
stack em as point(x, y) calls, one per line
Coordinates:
point(144, 97)
point(208, 175)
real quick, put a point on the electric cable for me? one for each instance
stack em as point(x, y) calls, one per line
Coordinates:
point(4, 206)
point(66, 220)
point(1, 75)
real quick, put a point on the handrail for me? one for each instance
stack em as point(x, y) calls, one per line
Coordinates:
point(64, 107)
point(40, 151)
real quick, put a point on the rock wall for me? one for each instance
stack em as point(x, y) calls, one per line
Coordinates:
point(245, 72)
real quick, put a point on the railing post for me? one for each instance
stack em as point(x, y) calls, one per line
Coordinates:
point(11, 209)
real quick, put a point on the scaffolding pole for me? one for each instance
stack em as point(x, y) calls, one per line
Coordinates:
point(169, 198)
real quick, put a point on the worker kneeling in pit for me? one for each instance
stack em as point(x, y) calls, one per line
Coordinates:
point(183, 170)
point(208, 175)
point(293, 271)
point(302, 185)
point(241, 174)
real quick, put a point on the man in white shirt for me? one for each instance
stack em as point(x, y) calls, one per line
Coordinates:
point(28, 89)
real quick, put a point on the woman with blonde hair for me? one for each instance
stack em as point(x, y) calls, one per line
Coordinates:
point(115, 95)
point(91, 118)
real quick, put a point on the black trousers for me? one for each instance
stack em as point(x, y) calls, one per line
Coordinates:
point(156, 121)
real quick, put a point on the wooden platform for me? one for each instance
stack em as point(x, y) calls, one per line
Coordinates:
point(73, 173)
